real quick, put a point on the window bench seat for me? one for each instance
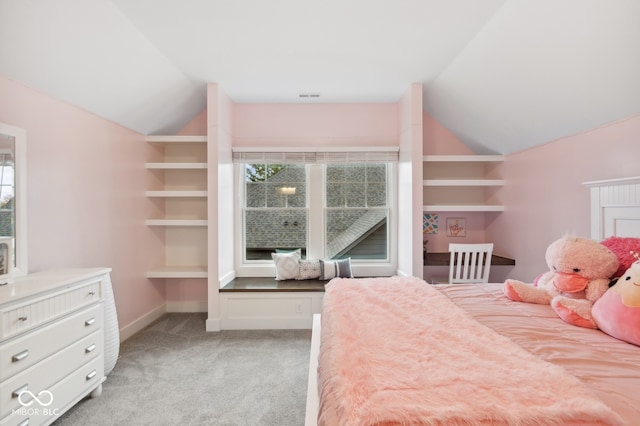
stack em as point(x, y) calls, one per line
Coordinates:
point(251, 284)
point(248, 303)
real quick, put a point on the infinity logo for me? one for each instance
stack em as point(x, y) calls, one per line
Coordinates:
point(35, 398)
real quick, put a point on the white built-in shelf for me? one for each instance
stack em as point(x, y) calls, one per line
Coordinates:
point(197, 271)
point(463, 182)
point(176, 193)
point(460, 183)
point(463, 158)
point(178, 166)
point(175, 166)
point(462, 208)
point(176, 222)
point(177, 139)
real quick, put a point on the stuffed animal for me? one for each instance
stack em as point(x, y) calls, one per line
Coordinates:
point(579, 272)
point(617, 312)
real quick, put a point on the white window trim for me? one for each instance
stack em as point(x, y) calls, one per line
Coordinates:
point(315, 234)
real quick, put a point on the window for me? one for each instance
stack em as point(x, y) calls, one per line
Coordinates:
point(7, 223)
point(327, 210)
point(356, 211)
point(275, 213)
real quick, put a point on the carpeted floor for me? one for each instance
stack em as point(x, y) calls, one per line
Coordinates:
point(175, 373)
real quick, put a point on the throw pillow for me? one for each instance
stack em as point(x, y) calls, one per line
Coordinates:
point(622, 247)
point(309, 270)
point(287, 265)
point(335, 269)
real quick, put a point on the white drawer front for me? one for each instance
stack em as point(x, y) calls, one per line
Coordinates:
point(22, 352)
point(65, 393)
point(20, 317)
point(42, 376)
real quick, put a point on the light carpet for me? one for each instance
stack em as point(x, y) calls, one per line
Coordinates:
point(175, 373)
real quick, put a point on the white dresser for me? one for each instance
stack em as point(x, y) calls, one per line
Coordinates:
point(51, 343)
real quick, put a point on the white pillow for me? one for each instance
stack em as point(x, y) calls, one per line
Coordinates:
point(287, 265)
point(335, 268)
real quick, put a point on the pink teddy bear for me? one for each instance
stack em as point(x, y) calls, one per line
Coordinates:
point(579, 272)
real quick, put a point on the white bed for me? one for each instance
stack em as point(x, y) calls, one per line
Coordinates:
point(601, 362)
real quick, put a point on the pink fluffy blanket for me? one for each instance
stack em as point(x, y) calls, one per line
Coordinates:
point(396, 351)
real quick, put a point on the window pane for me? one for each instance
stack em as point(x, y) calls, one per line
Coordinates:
point(275, 209)
point(356, 216)
point(377, 185)
point(356, 185)
point(256, 194)
point(336, 194)
point(356, 195)
point(7, 222)
point(376, 194)
point(261, 172)
point(377, 173)
point(356, 233)
point(268, 230)
point(335, 185)
point(336, 173)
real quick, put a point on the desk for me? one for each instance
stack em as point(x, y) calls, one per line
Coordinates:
point(442, 259)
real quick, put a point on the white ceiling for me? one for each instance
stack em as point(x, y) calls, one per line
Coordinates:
point(502, 75)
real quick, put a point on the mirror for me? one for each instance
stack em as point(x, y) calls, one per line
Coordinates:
point(13, 191)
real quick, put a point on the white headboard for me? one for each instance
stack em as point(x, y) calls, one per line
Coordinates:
point(615, 208)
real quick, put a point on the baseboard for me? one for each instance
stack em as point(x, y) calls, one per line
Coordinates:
point(213, 324)
point(192, 306)
point(266, 323)
point(142, 322)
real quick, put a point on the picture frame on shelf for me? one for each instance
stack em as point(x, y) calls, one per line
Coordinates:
point(429, 223)
point(456, 227)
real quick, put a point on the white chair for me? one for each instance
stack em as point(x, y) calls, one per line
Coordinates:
point(470, 263)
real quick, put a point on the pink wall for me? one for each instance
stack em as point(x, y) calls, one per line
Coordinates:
point(544, 195)
point(86, 204)
point(197, 126)
point(315, 124)
point(438, 140)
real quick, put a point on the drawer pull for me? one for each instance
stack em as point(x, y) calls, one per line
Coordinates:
point(90, 348)
point(91, 375)
point(20, 356)
point(92, 293)
point(23, 318)
point(16, 393)
point(89, 322)
point(25, 422)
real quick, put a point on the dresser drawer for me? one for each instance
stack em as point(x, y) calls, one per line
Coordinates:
point(19, 317)
point(42, 376)
point(20, 353)
point(66, 392)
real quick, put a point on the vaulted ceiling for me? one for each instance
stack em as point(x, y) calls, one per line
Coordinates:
point(502, 75)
